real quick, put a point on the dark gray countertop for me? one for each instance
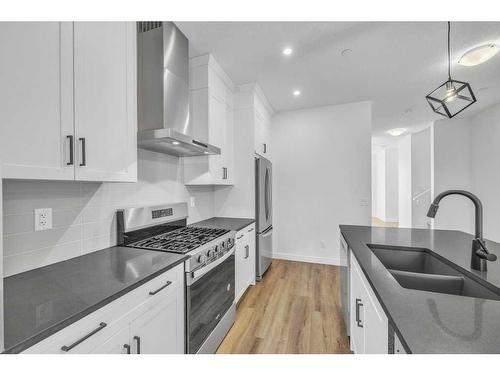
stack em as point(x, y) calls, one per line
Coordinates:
point(429, 322)
point(42, 301)
point(231, 223)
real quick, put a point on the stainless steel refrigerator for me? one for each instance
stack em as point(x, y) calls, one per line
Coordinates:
point(263, 215)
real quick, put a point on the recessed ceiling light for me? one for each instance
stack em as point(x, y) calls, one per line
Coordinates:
point(396, 132)
point(479, 55)
point(175, 143)
point(296, 92)
point(206, 152)
point(287, 51)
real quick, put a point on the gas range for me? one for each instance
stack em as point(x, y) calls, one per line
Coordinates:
point(163, 228)
point(209, 270)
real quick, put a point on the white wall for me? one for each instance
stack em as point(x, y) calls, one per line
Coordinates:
point(84, 212)
point(467, 157)
point(420, 177)
point(486, 167)
point(321, 164)
point(391, 184)
point(404, 182)
point(379, 184)
point(453, 170)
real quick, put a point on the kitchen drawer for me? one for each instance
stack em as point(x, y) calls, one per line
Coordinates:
point(116, 315)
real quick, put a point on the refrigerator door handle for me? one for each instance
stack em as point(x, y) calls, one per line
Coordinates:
point(267, 232)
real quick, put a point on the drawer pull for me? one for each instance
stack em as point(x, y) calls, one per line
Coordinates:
point(160, 289)
point(239, 237)
point(358, 305)
point(250, 230)
point(247, 251)
point(65, 348)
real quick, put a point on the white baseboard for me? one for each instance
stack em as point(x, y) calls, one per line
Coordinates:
point(307, 258)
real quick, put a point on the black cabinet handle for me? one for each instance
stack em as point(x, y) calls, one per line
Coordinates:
point(265, 148)
point(247, 251)
point(127, 346)
point(358, 320)
point(224, 173)
point(250, 230)
point(138, 343)
point(84, 156)
point(71, 161)
point(160, 289)
point(67, 348)
point(239, 237)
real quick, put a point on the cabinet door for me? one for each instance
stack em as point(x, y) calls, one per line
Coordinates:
point(105, 101)
point(228, 151)
point(250, 260)
point(119, 343)
point(161, 329)
point(217, 137)
point(36, 99)
point(357, 310)
point(240, 273)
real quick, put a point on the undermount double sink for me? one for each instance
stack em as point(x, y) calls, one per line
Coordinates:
point(420, 269)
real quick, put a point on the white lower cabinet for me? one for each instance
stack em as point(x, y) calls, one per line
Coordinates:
point(368, 322)
point(157, 331)
point(244, 260)
point(147, 320)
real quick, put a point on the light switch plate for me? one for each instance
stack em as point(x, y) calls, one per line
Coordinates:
point(43, 219)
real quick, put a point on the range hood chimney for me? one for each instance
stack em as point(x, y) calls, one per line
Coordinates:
point(163, 92)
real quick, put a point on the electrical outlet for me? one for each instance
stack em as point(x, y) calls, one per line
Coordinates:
point(322, 244)
point(363, 202)
point(192, 202)
point(43, 219)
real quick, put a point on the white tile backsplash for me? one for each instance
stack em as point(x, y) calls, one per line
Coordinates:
point(84, 212)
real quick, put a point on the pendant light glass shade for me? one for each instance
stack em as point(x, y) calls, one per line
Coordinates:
point(452, 97)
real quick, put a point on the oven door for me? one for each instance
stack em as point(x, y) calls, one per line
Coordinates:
point(209, 296)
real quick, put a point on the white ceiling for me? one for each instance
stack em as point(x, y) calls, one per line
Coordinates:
point(393, 64)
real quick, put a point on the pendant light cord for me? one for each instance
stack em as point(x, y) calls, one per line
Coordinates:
point(449, 69)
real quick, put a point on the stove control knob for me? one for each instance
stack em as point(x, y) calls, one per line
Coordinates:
point(223, 245)
point(202, 258)
point(216, 249)
point(210, 253)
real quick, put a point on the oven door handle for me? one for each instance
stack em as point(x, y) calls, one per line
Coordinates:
point(196, 274)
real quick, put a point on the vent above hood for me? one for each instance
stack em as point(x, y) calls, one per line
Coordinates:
point(163, 92)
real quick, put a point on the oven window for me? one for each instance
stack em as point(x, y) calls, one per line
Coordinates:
point(208, 300)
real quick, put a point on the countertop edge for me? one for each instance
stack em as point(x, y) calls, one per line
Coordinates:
point(27, 343)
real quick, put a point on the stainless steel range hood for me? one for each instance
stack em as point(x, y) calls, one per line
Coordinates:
point(163, 92)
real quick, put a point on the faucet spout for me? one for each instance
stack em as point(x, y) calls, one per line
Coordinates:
point(480, 253)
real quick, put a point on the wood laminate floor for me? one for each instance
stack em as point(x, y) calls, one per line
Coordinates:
point(295, 309)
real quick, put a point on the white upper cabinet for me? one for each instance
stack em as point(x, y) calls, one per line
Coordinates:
point(253, 109)
point(105, 101)
point(65, 85)
point(36, 104)
point(211, 93)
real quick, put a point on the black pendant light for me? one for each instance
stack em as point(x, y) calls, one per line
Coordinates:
point(452, 97)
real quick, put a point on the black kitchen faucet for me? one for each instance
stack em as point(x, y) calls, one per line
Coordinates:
point(480, 253)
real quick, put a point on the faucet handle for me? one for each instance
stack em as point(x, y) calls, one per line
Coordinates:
point(483, 251)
